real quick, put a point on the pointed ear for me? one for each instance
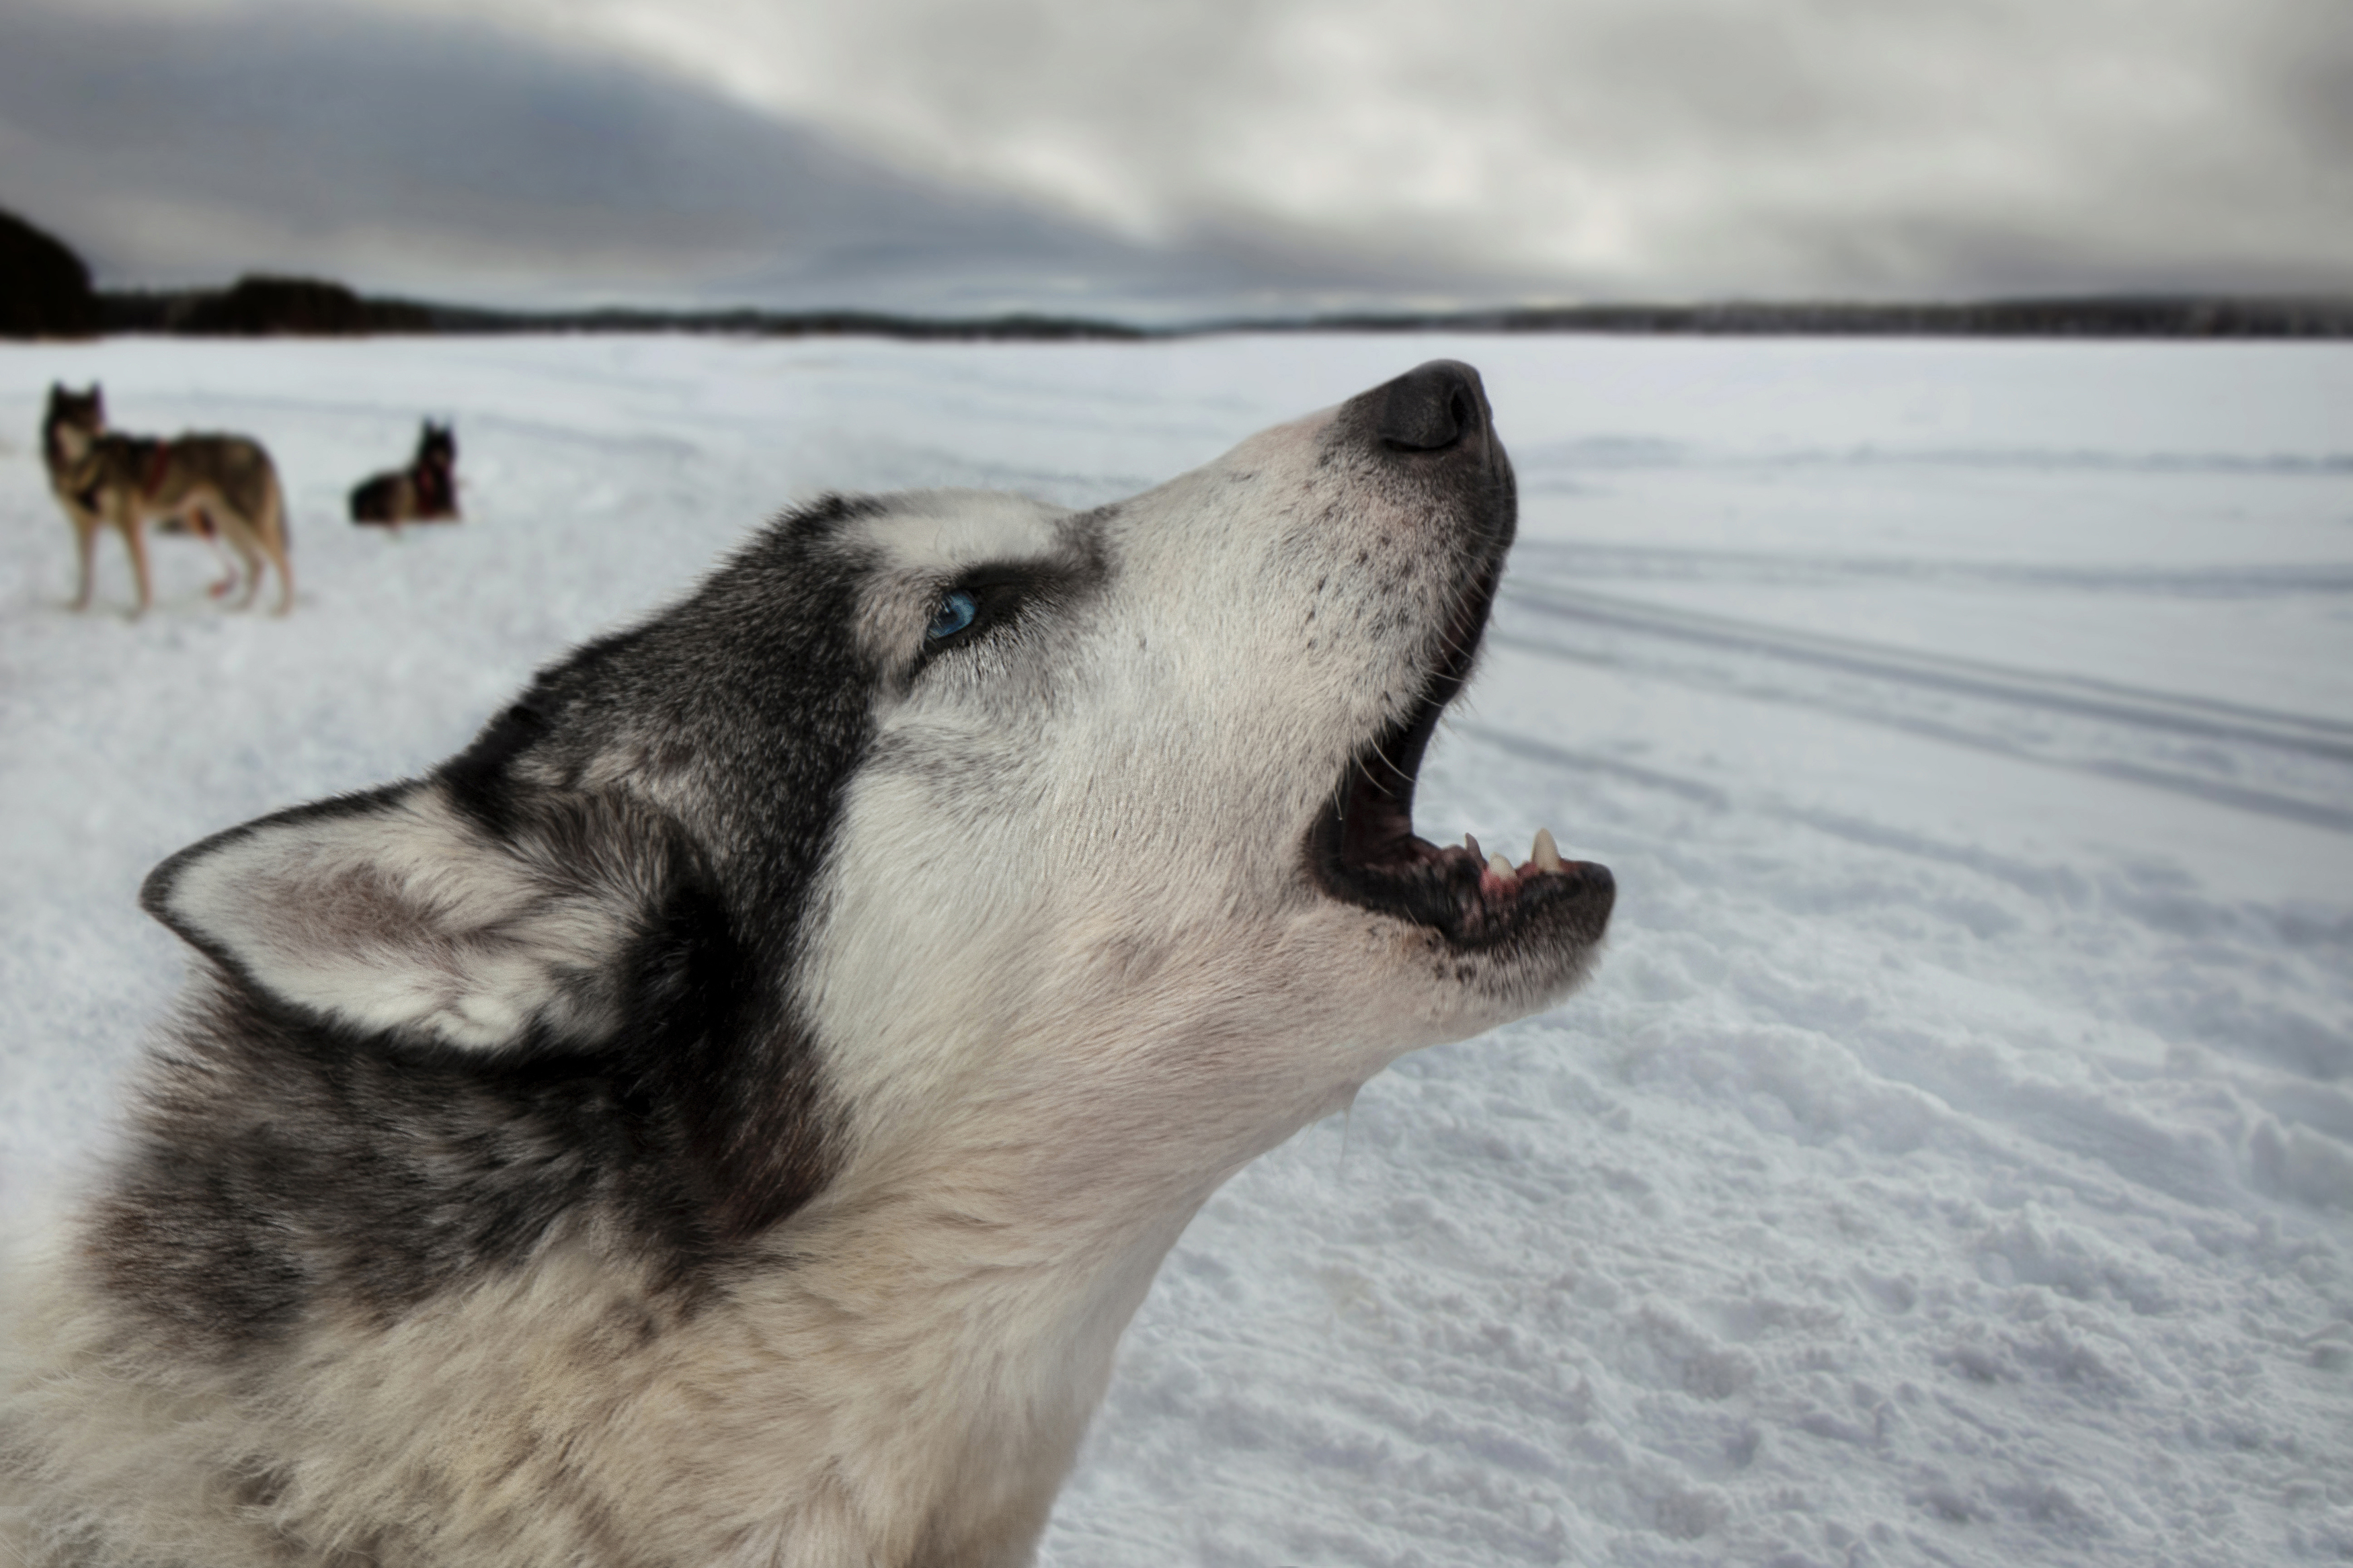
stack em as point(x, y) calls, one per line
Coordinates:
point(396, 912)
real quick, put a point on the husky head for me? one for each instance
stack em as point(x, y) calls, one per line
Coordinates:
point(74, 420)
point(947, 821)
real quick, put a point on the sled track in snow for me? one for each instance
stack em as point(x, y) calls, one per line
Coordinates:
point(2296, 767)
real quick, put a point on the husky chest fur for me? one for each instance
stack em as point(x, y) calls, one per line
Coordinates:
point(728, 1114)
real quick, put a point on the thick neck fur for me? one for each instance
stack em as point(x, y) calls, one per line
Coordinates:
point(896, 1376)
point(979, 1338)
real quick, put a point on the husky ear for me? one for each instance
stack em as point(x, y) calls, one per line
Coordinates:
point(395, 912)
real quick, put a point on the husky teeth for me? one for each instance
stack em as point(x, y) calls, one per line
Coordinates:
point(1546, 854)
point(1472, 845)
point(1502, 867)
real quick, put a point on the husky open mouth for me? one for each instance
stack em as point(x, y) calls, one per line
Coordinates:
point(1362, 848)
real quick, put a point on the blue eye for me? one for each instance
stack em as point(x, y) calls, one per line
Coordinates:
point(957, 611)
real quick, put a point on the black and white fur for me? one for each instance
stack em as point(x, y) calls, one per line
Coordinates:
point(728, 1114)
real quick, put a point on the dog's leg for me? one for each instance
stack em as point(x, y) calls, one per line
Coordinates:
point(134, 537)
point(251, 557)
point(269, 533)
point(86, 548)
point(243, 535)
point(203, 524)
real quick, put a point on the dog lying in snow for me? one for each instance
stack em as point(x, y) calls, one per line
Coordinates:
point(425, 491)
point(728, 1113)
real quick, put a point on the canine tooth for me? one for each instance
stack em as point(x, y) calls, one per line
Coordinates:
point(1472, 845)
point(1546, 854)
point(1502, 867)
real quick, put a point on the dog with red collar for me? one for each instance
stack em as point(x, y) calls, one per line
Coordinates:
point(221, 487)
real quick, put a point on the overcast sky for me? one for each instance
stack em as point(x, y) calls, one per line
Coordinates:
point(1181, 157)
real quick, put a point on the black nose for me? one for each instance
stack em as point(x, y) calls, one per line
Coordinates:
point(1432, 407)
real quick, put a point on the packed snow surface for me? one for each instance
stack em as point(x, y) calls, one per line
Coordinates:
point(1953, 1160)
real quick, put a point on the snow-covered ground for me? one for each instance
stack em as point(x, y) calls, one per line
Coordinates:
point(1953, 1162)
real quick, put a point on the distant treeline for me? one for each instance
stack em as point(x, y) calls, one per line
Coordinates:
point(261, 307)
point(2094, 316)
point(45, 291)
point(258, 306)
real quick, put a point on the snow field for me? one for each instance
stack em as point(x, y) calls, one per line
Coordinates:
point(1952, 1161)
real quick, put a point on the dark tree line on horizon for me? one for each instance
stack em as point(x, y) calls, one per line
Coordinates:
point(45, 292)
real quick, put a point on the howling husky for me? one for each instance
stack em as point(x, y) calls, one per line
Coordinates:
point(727, 1114)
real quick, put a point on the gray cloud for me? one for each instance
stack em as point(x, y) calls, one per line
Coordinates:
point(1609, 145)
point(436, 156)
point(1225, 151)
